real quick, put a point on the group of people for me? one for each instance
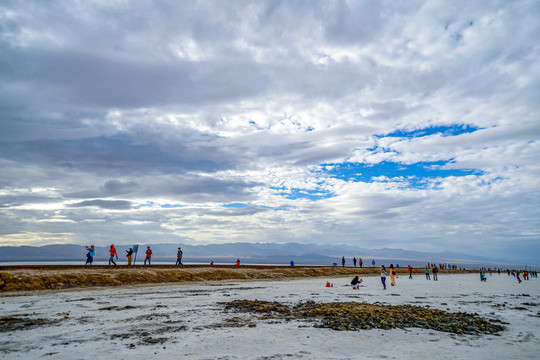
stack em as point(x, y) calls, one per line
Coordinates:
point(434, 271)
point(355, 283)
point(91, 252)
point(360, 262)
point(392, 273)
point(429, 265)
point(442, 266)
point(526, 274)
point(515, 273)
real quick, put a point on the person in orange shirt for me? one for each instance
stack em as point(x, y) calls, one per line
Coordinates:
point(392, 275)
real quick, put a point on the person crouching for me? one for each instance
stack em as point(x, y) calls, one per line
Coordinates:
point(356, 283)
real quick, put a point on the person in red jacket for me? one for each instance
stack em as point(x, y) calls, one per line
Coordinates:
point(148, 256)
point(113, 253)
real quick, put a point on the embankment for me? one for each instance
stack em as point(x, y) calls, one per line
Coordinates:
point(53, 277)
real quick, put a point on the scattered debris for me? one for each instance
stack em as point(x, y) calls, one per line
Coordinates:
point(23, 322)
point(356, 316)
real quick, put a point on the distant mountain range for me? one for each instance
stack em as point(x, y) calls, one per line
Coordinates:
point(250, 253)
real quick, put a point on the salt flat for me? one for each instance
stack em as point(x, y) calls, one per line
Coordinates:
point(188, 321)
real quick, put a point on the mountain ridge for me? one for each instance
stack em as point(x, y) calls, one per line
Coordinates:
point(251, 252)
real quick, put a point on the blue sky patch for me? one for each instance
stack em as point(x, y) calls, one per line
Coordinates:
point(416, 174)
point(242, 205)
point(235, 205)
point(294, 193)
point(419, 175)
point(171, 206)
point(163, 206)
point(453, 130)
point(147, 204)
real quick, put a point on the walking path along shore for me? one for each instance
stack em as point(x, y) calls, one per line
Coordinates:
point(58, 277)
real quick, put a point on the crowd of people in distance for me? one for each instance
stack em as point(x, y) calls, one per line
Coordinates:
point(91, 252)
point(360, 262)
point(430, 270)
point(515, 273)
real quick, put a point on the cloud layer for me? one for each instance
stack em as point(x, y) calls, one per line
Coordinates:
point(403, 124)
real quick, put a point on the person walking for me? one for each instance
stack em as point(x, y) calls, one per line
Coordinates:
point(373, 262)
point(113, 253)
point(360, 262)
point(409, 269)
point(179, 255)
point(343, 261)
point(128, 254)
point(426, 270)
point(435, 271)
point(90, 255)
point(354, 261)
point(148, 256)
point(392, 275)
point(383, 277)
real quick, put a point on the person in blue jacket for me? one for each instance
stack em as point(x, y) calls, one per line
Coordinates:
point(90, 255)
point(383, 276)
point(426, 270)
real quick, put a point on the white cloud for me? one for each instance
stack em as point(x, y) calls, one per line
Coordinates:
point(117, 104)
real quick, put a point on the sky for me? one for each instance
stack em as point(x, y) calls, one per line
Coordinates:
point(400, 124)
